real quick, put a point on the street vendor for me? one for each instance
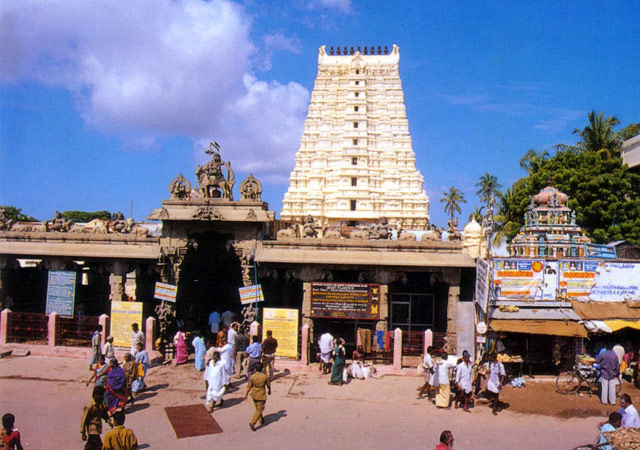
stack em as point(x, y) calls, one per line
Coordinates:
point(615, 422)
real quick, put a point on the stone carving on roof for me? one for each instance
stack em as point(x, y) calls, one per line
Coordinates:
point(287, 233)
point(453, 234)
point(58, 223)
point(251, 189)
point(212, 182)
point(180, 188)
point(207, 213)
point(381, 230)
point(5, 222)
point(309, 227)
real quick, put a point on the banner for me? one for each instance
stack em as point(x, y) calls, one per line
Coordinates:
point(577, 278)
point(345, 301)
point(61, 292)
point(600, 281)
point(524, 279)
point(123, 314)
point(251, 294)
point(482, 283)
point(284, 325)
point(166, 292)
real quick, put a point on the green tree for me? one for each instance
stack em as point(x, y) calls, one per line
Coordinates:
point(599, 135)
point(452, 200)
point(630, 131)
point(533, 160)
point(86, 216)
point(476, 214)
point(488, 186)
point(15, 214)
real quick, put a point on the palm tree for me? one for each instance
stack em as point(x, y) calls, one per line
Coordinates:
point(599, 136)
point(505, 221)
point(533, 160)
point(476, 214)
point(488, 186)
point(452, 200)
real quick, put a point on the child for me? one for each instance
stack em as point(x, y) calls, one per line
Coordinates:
point(99, 373)
point(108, 350)
point(10, 437)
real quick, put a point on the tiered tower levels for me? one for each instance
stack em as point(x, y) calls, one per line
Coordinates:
point(356, 162)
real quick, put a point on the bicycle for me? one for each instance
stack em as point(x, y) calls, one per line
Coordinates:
point(570, 382)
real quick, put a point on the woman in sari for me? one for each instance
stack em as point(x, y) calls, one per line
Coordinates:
point(100, 372)
point(338, 362)
point(142, 358)
point(200, 348)
point(116, 391)
point(182, 354)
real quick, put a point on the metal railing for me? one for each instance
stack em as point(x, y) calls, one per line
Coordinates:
point(75, 331)
point(27, 328)
point(412, 343)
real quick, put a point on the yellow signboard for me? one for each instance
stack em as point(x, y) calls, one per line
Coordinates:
point(284, 324)
point(123, 314)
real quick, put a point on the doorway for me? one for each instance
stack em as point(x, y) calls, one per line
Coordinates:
point(412, 312)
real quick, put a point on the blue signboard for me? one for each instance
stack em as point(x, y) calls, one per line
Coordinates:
point(61, 292)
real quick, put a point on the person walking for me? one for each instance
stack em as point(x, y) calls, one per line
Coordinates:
point(464, 373)
point(120, 438)
point(214, 377)
point(254, 351)
point(95, 346)
point(108, 351)
point(269, 347)
point(326, 349)
point(427, 365)
point(142, 359)
point(497, 375)
point(91, 424)
point(137, 336)
point(242, 342)
point(258, 386)
point(9, 436)
point(443, 370)
point(130, 368)
point(182, 352)
point(338, 363)
point(200, 349)
point(446, 441)
point(226, 356)
point(609, 372)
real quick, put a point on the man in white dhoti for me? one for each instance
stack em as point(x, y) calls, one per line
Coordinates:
point(326, 349)
point(427, 366)
point(497, 375)
point(464, 374)
point(214, 375)
point(226, 357)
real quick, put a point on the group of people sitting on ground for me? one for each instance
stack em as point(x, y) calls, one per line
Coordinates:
point(438, 370)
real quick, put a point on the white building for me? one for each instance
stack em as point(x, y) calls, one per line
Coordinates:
point(356, 162)
point(631, 151)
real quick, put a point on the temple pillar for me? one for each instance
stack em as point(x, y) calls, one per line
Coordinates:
point(304, 351)
point(397, 349)
point(117, 279)
point(451, 276)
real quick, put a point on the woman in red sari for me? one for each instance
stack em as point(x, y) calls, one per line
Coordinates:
point(182, 354)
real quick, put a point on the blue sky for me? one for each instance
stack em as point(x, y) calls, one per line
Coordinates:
point(102, 104)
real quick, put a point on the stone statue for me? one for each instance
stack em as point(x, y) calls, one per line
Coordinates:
point(332, 233)
point(309, 227)
point(251, 189)
point(435, 235)
point(118, 224)
point(405, 235)
point(453, 232)
point(573, 217)
point(287, 233)
point(180, 188)
point(381, 230)
point(5, 222)
point(360, 233)
point(212, 181)
point(59, 223)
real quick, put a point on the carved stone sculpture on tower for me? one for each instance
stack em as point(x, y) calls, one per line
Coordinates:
point(212, 182)
point(251, 189)
point(180, 188)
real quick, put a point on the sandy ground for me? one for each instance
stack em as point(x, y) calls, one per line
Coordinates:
point(47, 396)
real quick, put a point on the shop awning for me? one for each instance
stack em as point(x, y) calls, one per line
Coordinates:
point(551, 327)
point(607, 310)
point(619, 324)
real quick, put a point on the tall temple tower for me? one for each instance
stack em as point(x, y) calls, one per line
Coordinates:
point(356, 162)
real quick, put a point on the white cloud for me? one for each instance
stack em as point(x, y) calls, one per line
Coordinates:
point(151, 68)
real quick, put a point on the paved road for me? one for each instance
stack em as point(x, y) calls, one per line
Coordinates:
point(47, 396)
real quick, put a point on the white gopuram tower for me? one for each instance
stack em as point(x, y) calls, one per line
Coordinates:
point(356, 163)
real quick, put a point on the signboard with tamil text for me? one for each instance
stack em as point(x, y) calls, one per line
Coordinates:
point(166, 292)
point(251, 294)
point(531, 279)
point(123, 314)
point(61, 292)
point(482, 283)
point(284, 325)
point(345, 301)
point(600, 281)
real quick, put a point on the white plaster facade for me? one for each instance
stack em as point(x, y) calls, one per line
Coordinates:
point(631, 151)
point(356, 161)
